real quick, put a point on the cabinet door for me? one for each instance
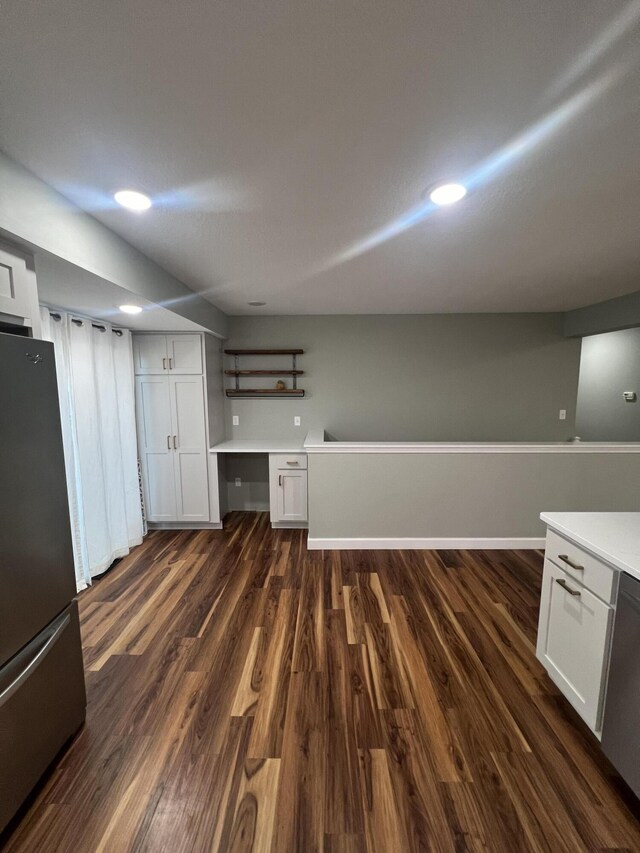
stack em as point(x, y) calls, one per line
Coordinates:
point(185, 354)
point(190, 448)
point(292, 496)
point(573, 641)
point(14, 286)
point(150, 355)
point(155, 442)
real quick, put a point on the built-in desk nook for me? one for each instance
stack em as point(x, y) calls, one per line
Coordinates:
point(264, 476)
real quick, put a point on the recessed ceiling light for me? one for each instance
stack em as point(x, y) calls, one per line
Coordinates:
point(132, 200)
point(256, 304)
point(130, 309)
point(447, 194)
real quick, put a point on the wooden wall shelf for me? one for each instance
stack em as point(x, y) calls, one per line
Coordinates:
point(271, 393)
point(264, 351)
point(265, 392)
point(264, 372)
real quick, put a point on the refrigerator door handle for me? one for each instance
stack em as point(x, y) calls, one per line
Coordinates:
point(37, 655)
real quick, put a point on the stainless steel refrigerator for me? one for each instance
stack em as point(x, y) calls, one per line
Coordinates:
point(42, 695)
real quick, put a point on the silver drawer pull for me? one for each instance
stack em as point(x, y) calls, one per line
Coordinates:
point(295, 462)
point(565, 586)
point(565, 559)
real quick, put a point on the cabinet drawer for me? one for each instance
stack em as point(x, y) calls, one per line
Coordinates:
point(289, 461)
point(579, 564)
point(573, 641)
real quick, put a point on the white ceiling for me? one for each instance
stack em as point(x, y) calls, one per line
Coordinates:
point(280, 138)
point(63, 285)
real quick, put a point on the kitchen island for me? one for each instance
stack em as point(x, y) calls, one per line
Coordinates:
point(585, 554)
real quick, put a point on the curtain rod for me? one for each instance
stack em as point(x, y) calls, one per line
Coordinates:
point(75, 320)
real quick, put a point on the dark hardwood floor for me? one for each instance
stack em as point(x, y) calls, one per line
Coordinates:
point(245, 694)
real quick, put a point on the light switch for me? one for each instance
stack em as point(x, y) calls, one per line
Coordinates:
point(563, 415)
point(296, 420)
point(238, 482)
point(235, 420)
point(629, 396)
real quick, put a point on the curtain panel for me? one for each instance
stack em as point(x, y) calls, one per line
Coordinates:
point(97, 407)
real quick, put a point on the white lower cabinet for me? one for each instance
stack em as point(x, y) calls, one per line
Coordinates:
point(170, 412)
point(288, 489)
point(573, 641)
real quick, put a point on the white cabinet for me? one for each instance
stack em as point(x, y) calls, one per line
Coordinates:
point(167, 354)
point(18, 291)
point(172, 428)
point(288, 489)
point(150, 354)
point(189, 445)
point(184, 354)
point(573, 641)
point(155, 431)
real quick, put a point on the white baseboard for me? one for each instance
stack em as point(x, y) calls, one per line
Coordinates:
point(404, 544)
point(184, 525)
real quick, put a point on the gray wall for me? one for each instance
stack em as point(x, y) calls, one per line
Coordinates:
point(610, 364)
point(463, 495)
point(481, 377)
point(622, 312)
point(253, 470)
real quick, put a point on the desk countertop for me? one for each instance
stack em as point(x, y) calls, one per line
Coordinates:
point(258, 445)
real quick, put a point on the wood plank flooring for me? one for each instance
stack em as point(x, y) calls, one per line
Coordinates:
point(247, 695)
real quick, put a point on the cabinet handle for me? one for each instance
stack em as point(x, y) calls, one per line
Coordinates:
point(168, 442)
point(164, 363)
point(279, 479)
point(565, 559)
point(175, 442)
point(565, 586)
point(170, 363)
point(294, 462)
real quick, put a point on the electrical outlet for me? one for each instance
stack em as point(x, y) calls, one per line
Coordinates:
point(563, 415)
point(296, 420)
point(238, 482)
point(236, 420)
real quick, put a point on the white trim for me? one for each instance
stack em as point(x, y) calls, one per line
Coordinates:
point(403, 544)
point(316, 442)
point(184, 525)
point(429, 447)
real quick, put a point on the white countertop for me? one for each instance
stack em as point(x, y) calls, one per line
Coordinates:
point(257, 445)
point(612, 536)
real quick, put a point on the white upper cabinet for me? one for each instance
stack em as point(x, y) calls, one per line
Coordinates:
point(150, 354)
point(167, 354)
point(185, 354)
point(18, 291)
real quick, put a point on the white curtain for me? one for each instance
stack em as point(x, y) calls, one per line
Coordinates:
point(96, 388)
